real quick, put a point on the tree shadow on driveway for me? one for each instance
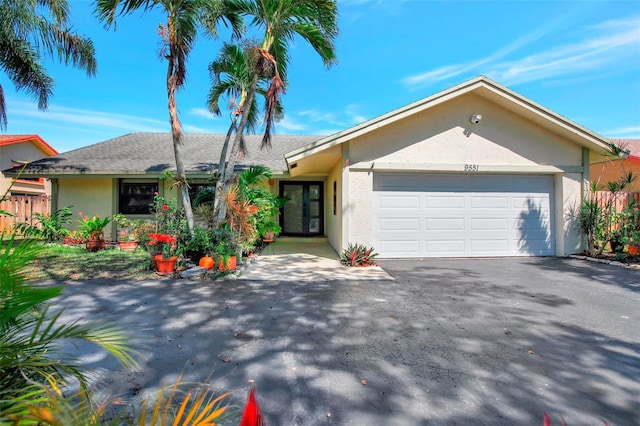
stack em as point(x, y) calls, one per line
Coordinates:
point(447, 342)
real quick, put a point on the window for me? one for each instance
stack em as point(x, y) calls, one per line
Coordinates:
point(335, 197)
point(136, 197)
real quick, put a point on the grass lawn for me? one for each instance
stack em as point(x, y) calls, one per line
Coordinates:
point(60, 262)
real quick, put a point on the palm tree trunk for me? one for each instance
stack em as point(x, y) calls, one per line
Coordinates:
point(228, 170)
point(222, 173)
point(176, 134)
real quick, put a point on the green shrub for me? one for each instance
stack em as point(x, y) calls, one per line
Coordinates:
point(47, 227)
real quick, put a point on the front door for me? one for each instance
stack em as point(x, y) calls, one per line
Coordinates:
point(302, 215)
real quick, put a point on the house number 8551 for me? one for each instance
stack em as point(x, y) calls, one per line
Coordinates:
point(471, 167)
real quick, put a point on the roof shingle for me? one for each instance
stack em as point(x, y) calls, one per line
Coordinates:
point(152, 153)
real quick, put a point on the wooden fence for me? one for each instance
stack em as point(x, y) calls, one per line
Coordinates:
point(22, 207)
point(621, 200)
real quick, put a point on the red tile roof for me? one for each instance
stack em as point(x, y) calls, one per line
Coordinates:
point(11, 139)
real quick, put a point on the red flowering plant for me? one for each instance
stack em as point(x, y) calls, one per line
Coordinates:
point(164, 244)
point(168, 218)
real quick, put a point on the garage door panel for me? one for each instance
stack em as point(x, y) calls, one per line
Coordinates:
point(400, 224)
point(400, 248)
point(490, 247)
point(530, 202)
point(446, 224)
point(400, 201)
point(450, 247)
point(537, 247)
point(489, 224)
point(441, 202)
point(463, 215)
point(488, 202)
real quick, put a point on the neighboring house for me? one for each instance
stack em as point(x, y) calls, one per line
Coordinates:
point(615, 166)
point(475, 170)
point(17, 150)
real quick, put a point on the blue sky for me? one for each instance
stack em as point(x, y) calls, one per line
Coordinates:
point(580, 59)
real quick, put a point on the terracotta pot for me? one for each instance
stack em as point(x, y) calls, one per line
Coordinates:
point(165, 265)
point(633, 250)
point(268, 237)
point(95, 245)
point(229, 265)
point(128, 245)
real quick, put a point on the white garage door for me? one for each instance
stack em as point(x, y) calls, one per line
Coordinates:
point(430, 215)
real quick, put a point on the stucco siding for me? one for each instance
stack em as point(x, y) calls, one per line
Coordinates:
point(445, 135)
point(333, 226)
point(613, 170)
point(569, 191)
point(360, 207)
point(91, 196)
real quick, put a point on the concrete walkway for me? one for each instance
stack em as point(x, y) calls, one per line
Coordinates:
point(305, 260)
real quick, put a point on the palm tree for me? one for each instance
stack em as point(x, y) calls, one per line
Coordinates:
point(313, 20)
point(29, 29)
point(179, 35)
point(232, 76)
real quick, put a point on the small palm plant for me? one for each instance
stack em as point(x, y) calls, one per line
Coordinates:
point(33, 371)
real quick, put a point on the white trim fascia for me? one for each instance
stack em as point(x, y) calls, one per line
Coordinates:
point(438, 98)
point(463, 168)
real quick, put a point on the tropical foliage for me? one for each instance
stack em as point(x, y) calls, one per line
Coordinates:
point(601, 220)
point(31, 31)
point(47, 227)
point(315, 21)
point(183, 20)
point(33, 371)
point(92, 227)
point(358, 255)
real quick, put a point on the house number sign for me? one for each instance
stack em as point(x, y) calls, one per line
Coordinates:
point(471, 167)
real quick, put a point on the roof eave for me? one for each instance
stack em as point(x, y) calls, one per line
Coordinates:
point(44, 146)
point(592, 139)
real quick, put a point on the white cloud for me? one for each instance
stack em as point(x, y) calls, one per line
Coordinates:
point(194, 129)
point(607, 44)
point(318, 116)
point(630, 132)
point(202, 112)
point(589, 54)
point(83, 118)
point(290, 125)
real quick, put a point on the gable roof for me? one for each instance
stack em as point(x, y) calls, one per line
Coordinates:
point(150, 154)
point(37, 140)
point(481, 86)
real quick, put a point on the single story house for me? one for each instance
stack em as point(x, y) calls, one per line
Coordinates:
point(616, 166)
point(475, 170)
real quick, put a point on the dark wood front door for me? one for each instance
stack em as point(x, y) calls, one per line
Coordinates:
point(303, 214)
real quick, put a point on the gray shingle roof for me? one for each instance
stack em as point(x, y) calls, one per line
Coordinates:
point(152, 153)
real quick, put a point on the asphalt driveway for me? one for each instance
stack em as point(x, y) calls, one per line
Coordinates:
point(447, 342)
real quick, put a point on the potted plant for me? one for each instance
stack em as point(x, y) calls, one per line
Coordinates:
point(227, 255)
point(632, 239)
point(127, 240)
point(127, 235)
point(92, 229)
point(629, 227)
point(165, 261)
point(269, 229)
